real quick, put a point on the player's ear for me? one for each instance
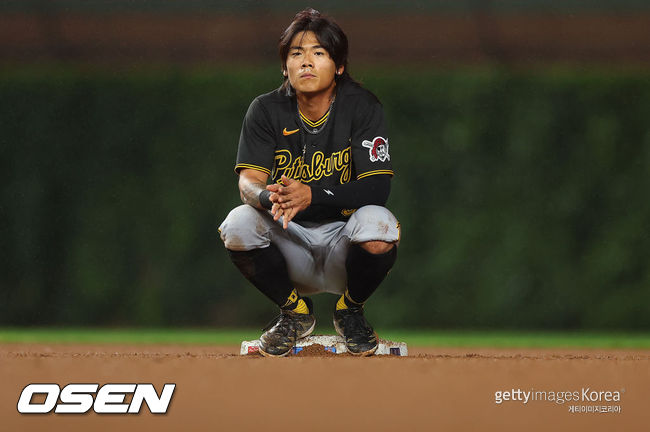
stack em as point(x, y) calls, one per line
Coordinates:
point(284, 72)
point(340, 70)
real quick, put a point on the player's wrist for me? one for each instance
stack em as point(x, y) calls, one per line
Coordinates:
point(265, 199)
point(318, 195)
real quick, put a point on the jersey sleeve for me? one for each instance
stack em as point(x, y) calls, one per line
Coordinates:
point(256, 148)
point(370, 150)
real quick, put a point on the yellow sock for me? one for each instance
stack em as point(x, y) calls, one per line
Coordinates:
point(300, 307)
point(345, 300)
point(340, 305)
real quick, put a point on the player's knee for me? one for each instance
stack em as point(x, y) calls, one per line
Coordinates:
point(244, 229)
point(375, 226)
point(372, 213)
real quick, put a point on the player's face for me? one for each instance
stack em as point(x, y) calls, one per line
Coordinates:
point(310, 68)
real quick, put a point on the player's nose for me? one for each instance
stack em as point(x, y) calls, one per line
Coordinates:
point(307, 61)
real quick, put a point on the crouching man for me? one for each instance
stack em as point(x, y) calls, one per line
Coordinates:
point(314, 175)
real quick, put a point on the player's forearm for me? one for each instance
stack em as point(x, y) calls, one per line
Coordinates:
point(250, 191)
point(370, 190)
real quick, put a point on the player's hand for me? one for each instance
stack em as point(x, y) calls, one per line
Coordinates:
point(292, 194)
point(289, 199)
point(273, 188)
point(276, 210)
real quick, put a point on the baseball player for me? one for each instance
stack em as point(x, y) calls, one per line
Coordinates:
point(320, 224)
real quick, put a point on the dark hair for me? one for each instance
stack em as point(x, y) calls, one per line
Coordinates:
point(329, 35)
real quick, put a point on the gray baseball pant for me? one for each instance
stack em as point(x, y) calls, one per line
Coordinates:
point(315, 252)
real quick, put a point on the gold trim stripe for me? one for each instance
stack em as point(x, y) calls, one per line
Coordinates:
point(376, 172)
point(399, 232)
point(316, 123)
point(255, 167)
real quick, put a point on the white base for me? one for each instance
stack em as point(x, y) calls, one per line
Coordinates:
point(333, 344)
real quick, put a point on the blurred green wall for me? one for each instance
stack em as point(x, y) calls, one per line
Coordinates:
point(522, 197)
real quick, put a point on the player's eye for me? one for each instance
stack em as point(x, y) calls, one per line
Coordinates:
point(295, 53)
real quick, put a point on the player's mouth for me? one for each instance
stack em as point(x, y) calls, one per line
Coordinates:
point(307, 75)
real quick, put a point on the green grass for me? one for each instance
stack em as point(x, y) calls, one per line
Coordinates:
point(127, 336)
point(415, 338)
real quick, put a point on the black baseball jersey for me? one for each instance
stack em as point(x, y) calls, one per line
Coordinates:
point(348, 143)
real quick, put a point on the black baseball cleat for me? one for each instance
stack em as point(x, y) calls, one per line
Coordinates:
point(360, 338)
point(281, 334)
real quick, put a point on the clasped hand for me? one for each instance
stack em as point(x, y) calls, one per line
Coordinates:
point(288, 199)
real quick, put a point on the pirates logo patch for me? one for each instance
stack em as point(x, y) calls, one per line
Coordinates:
point(378, 149)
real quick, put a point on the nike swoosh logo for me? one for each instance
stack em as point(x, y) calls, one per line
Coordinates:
point(285, 132)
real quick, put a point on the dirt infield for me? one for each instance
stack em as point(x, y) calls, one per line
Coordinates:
point(432, 389)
